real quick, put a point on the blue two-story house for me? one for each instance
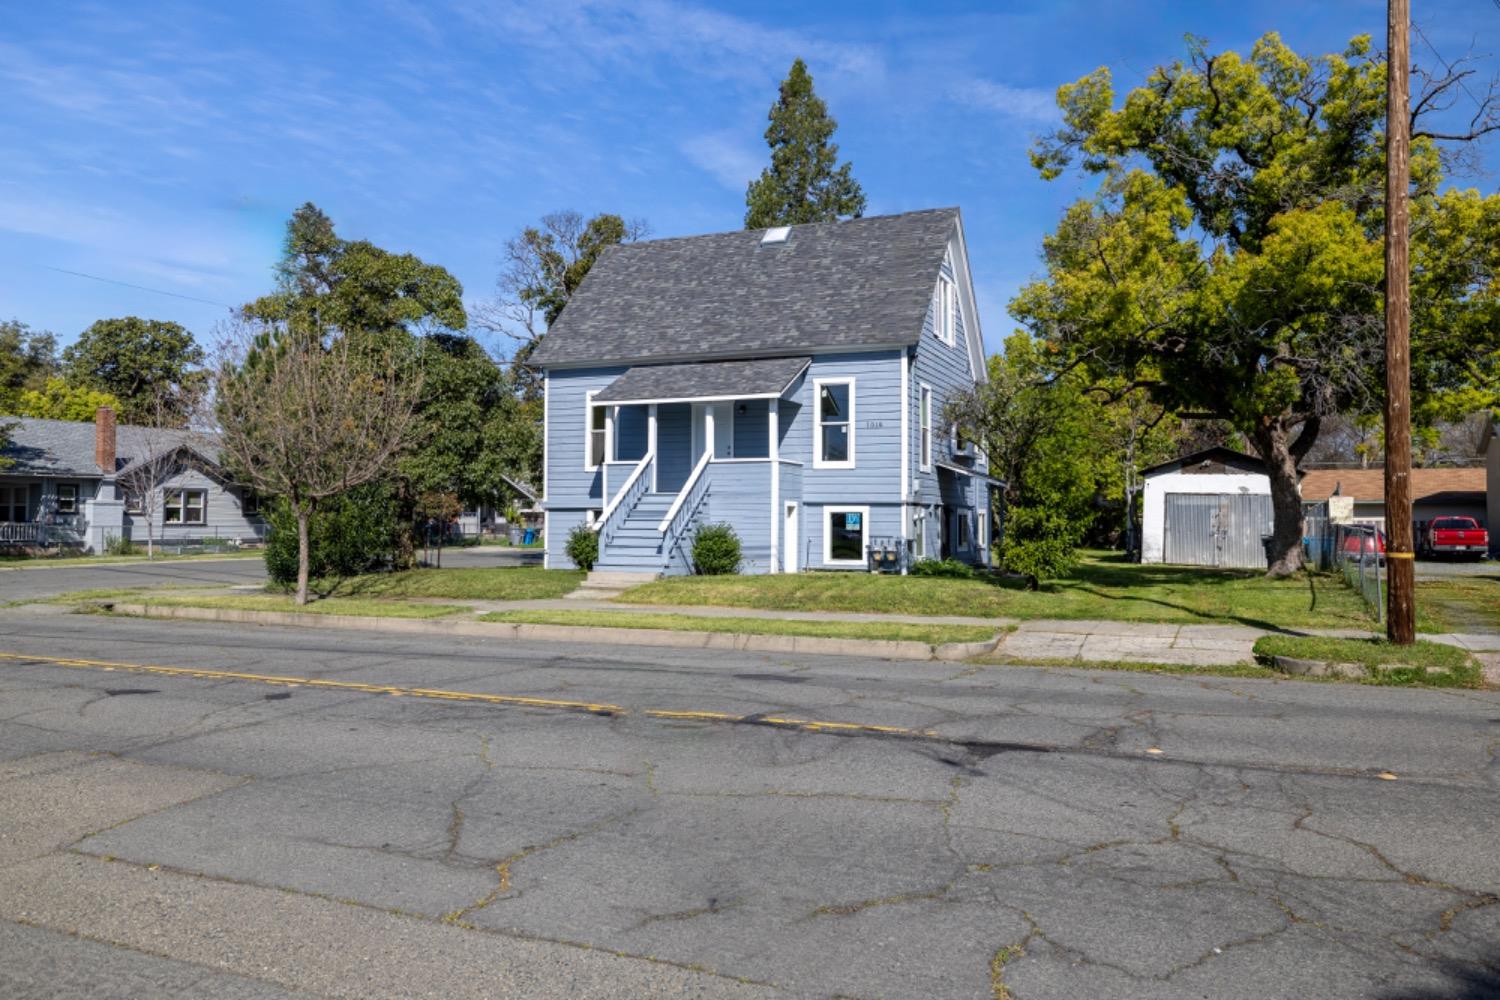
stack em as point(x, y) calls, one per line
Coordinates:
point(790, 382)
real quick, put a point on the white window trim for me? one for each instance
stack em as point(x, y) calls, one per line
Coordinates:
point(983, 531)
point(588, 430)
point(924, 428)
point(864, 544)
point(965, 539)
point(182, 505)
point(919, 538)
point(947, 306)
point(73, 500)
point(817, 422)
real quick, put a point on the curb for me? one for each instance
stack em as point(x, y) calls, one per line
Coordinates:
point(1318, 668)
point(889, 649)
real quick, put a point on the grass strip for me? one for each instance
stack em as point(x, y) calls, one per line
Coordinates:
point(508, 583)
point(1102, 586)
point(899, 631)
point(361, 607)
point(1138, 666)
point(1388, 663)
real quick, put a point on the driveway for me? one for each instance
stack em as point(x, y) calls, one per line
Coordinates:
point(603, 833)
point(1438, 569)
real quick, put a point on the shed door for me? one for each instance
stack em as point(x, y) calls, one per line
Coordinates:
point(1219, 529)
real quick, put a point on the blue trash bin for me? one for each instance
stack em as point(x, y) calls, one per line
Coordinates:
point(529, 536)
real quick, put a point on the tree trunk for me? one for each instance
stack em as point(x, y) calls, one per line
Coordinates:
point(303, 517)
point(1285, 555)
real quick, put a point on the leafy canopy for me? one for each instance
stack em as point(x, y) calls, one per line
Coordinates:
point(62, 400)
point(151, 366)
point(805, 182)
point(27, 359)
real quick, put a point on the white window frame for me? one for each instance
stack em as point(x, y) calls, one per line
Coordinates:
point(11, 493)
point(182, 505)
point(982, 532)
point(924, 424)
point(919, 534)
point(71, 499)
point(819, 462)
point(965, 540)
point(864, 542)
point(589, 406)
point(946, 310)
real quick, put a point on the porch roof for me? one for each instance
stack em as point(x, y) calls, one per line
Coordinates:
point(764, 378)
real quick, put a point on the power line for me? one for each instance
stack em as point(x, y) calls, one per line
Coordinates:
point(142, 288)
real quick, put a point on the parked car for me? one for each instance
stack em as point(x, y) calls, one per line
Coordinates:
point(1359, 543)
point(1452, 536)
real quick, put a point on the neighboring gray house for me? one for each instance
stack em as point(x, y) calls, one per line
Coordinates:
point(69, 484)
point(788, 381)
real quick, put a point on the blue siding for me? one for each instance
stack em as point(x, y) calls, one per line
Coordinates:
point(674, 446)
point(570, 490)
point(632, 433)
point(752, 434)
point(876, 475)
point(739, 493)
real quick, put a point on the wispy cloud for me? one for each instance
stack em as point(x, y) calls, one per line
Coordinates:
point(726, 156)
point(1032, 104)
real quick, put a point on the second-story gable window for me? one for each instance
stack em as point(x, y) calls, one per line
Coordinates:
point(833, 424)
point(945, 310)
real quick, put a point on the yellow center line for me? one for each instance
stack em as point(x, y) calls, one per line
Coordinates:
point(522, 701)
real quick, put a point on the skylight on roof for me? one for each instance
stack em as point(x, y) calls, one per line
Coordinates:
point(776, 234)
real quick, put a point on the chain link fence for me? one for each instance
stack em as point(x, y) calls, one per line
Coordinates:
point(1355, 550)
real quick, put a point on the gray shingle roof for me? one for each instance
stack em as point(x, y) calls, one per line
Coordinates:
point(704, 379)
point(830, 286)
point(66, 447)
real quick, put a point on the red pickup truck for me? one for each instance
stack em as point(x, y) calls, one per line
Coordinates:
point(1452, 536)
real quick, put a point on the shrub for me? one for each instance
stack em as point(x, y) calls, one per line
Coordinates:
point(583, 547)
point(1040, 544)
point(716, 550)
point(942, 567)
point(348, 535)
point(114, 545)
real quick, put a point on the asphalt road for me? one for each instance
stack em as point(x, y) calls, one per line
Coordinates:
point(29, 581)
point(167, 835)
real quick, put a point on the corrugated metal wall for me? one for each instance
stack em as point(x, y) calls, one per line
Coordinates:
point(1220, 529)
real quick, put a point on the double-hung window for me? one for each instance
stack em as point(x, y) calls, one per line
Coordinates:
point(833, 424)
point(963, 529)
point(925, 420)
point(67, 498)
point(13, 503)
point(184, 506)
point(946, 310)
point(596, 447)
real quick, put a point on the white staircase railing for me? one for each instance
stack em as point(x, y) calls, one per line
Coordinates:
point(624, 502)
point(683, 509)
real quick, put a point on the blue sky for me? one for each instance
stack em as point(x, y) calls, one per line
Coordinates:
point(164, 145)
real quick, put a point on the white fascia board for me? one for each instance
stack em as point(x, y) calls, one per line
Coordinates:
point(970, 307)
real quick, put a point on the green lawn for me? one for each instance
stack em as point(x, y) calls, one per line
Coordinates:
point(932, 634)
point(1103, 586)
point(1388, 663)
point(1459, 603)
point(523, 583)
point(362, 607)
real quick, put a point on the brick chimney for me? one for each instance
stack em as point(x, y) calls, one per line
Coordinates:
point(104, 439)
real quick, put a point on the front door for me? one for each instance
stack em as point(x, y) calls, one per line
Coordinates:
point(721, 415)
point(789, 535)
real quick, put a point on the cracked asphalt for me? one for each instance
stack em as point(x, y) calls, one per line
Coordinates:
point(1059, 834)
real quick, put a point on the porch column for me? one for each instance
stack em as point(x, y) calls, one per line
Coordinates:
point(772, 420)
point(651, 442)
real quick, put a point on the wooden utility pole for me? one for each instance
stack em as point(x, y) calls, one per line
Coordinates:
point(1400, 567)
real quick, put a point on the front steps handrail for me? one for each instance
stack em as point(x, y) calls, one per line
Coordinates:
point(624, 502)
point(685, 507)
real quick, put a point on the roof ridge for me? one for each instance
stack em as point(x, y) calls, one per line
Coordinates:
point(954, 209)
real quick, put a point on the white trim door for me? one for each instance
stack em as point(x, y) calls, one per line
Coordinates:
point(722, 417)
point(789, 561)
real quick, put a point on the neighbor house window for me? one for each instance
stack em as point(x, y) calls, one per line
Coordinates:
point(984, 530)
point(184, 506)
point(925, 419)
point(13, 503)
point(67, 498)
point(833, 424)
point(963, 529)
point(597, 446)
point(918, 536)
point(844, 535)
point(250, 503)
point(133, 504)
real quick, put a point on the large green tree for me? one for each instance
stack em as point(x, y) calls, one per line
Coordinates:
point(1231, 261)
point(27, 359)
point(805, 182)
point(60, 399)
point(544, 265)
point(151, 366)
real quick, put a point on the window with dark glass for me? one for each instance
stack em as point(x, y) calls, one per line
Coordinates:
point(846, 535)
point(833, 420)
point(67, 498)
point(184, 506)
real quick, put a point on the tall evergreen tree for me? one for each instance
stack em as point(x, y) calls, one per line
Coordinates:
point(802, 184)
